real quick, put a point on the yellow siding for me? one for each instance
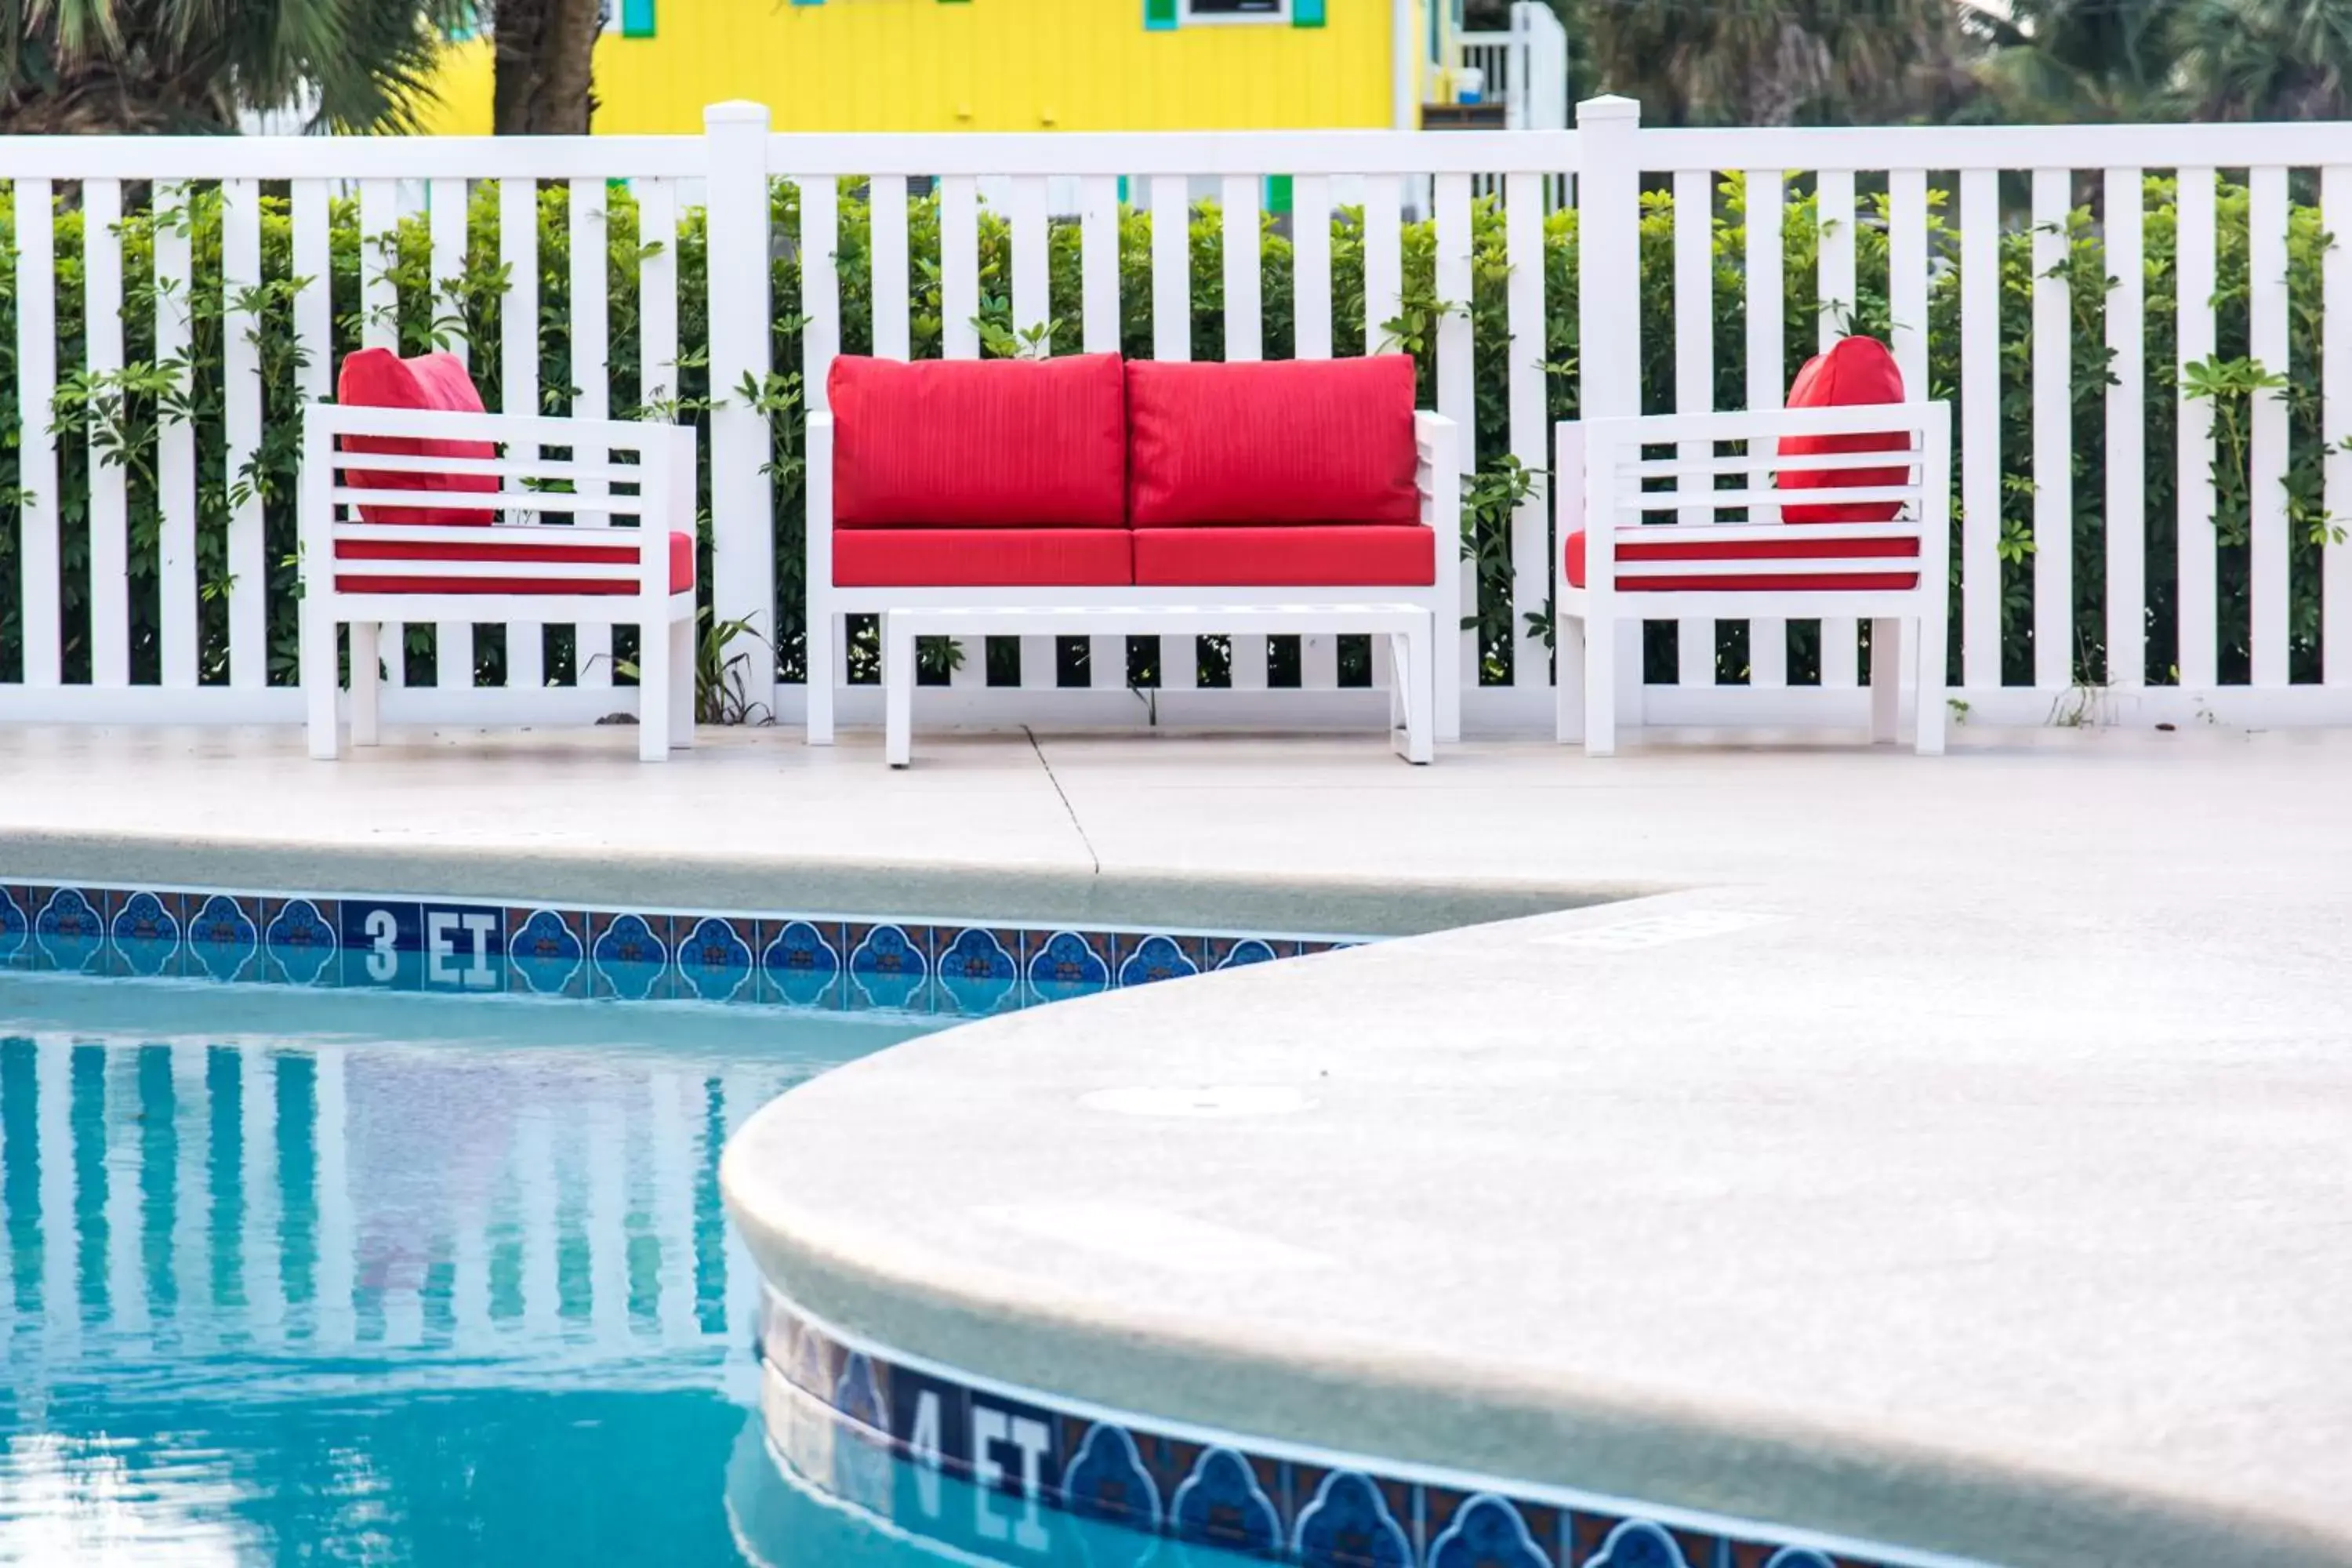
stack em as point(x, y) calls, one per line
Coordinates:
point(978, 65)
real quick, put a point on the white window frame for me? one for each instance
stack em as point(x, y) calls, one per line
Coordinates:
point(1186, 17)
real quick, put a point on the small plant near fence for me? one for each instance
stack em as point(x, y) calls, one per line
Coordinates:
point(117, 416)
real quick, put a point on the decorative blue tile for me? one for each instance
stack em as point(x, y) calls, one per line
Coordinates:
point(1068, 964)
point(803, 962)
point(979, 971)
point(1106, 1480)
point(14, 925)
point(713, 961)
point(1798, 1557)
point(146, 919)
point(1487, 1532)
point(1220, 1504)
point(69, 929)
point(547, 951)
point(1231, 953)
point(1350, 1525)
point(301, 937)
point(1144, 959)
point(1638, 1544)
point(631, 956)
point(889, 964)
point(222, 937)
point(857, 1393)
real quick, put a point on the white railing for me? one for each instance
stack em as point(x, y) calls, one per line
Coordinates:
point(1022, 181)
point(1524, 67)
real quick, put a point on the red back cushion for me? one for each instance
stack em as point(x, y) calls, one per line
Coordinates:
point(1003, 443)
point(1280, 442)
point(1854, 372)
point(378, 378)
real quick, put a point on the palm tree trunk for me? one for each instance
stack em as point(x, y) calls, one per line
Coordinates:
point(545, 52)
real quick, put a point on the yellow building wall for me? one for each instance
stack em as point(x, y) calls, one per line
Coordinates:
point(968, 65)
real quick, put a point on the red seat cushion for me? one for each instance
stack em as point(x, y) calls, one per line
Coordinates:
point(378, 378)
point(979, 443)
point(1855, 371)
point(478, 548)
point(1795, 548)
point(1303, 555)
point(982, 558)
point(1297, 441)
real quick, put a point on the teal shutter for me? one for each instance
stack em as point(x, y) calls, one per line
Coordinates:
point(1305, 13)
point(636, 18)
point(1158, 15)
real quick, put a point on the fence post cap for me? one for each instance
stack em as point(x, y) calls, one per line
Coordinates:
point(735, 112)
point(1609, 106)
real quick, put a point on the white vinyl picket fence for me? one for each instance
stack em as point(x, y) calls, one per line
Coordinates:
point(1996, 179)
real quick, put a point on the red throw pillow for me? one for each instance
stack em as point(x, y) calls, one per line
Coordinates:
point(1285, 441)
point(998, 443)
point(378, 378)
point(1854, 372)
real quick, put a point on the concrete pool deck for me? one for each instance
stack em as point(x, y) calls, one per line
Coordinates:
point(1955, 1153)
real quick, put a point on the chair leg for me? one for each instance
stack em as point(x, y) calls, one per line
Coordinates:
point(1599, 687)
point(823, 627)
point(367, 681)
point(319, 682)
point(681, 683)
point(897, 693)
point(1416, 663)
point(1885, 678)
point(1445, 676)
point(1568, 679)
point(1930, 718)
point(654, 690)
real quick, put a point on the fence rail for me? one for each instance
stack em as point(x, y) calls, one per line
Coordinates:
point(2133, 323)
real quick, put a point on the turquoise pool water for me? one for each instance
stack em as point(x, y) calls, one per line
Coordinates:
point(385, 1280)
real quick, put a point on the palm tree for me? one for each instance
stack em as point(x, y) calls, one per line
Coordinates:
point(2265, 59)
point(195, 65)
point(2078, 60)
point(1780, 62)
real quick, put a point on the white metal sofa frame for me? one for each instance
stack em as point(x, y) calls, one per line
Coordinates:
point(1605, 488)
point(657, 489)
point(1142, 610)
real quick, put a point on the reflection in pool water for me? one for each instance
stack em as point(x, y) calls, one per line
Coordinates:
point(407, 1281)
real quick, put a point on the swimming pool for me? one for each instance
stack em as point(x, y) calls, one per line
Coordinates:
point(383, 1278)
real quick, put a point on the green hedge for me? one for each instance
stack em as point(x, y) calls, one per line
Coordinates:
point(121, 413)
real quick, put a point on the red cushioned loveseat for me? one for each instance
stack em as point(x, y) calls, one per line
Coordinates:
point(1090, 494)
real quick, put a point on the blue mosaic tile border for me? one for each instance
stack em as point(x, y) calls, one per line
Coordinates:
point(807, 962)
point(839, 1412)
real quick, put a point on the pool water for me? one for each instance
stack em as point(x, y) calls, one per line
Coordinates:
point(388, 1279)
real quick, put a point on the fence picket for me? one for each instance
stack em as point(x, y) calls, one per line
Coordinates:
point(452, 641)
point(1768, 637)
point(110, 500)
point(657, 375)
point(592, 379)
point(1383, 302)
point(1172, 339)
point(379, 329)
point(1523, 245)
point(1834, 190)
point(886, 207)
point(960, 336)
point(2121, 218)
point(1100, 326)
point(175, 443)
point(2194, 483)
point(1457, 399)
point(1310, 263)
point(519, 377)
point(2336, 408)
point(1980, 593)
point(2267, 342)
point(2053, 435)
point(1238, 208)
point(1907, 302)
point(1032, 309)
point(36, 456)
point(1695, 375)
point(249, 559)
